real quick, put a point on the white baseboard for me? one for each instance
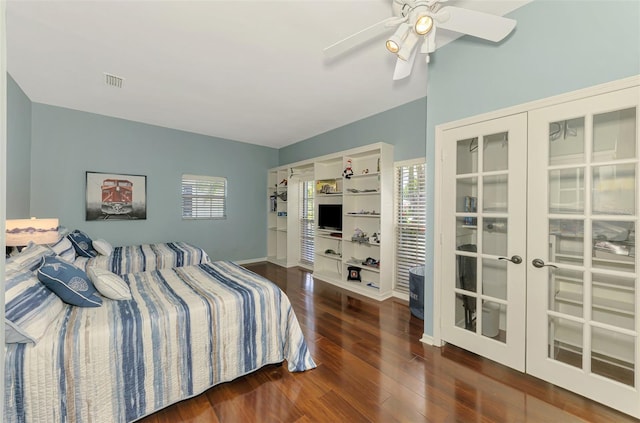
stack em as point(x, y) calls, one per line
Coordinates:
point(427, 339)
point(249, 261)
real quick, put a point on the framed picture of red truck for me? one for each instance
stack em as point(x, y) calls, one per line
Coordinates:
point(116, 196)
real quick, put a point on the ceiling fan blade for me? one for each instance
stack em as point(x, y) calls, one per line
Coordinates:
point(360, 37)
point(478, 24)
point(403, 67)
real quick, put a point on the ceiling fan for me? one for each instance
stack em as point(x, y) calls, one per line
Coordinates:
point(418, 20)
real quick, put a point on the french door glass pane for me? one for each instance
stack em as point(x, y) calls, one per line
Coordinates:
point(613, 300)
point(614, 245)
point(491, 312)
point(566, 142)
point(467, 156)
point(495, 193)
point(495, 152)
point(614, 135)
point(612, 355)
point(566, 291)
point(614, 189)
point(467, 195)
point(565, 341)
point(494, 236)
point(566, 190)
point(494, 278)
point(465, 312)
point(566, 241)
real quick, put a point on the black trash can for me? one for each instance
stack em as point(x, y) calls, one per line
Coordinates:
point(416, 291)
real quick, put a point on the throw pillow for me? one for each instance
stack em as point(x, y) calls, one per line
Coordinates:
point(30, 308)
point(109, 284)
point(28, 258)
point(82, 243)
point(64, 249)
point(102, 247)
point(71, 284)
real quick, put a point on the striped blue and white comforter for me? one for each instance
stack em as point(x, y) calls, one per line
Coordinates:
point(146, 257)
point(185, 330)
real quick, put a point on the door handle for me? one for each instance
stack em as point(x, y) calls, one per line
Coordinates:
point(513, 259)
point(539, 263)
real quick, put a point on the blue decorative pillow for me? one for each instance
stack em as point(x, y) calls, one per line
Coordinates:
point(82, 244)
point(71, 284)
point(29, 307)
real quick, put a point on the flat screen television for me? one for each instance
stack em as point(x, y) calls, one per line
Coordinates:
point(330, 216)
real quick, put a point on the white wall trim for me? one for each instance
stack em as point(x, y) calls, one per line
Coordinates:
point(3, 165)
point(426, 339)
point(250, 261)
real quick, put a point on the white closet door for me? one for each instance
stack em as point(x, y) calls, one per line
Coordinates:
point(582, 325)
point(484, 287)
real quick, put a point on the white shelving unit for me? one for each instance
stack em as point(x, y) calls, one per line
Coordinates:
point(367, 202)
point(277, 223)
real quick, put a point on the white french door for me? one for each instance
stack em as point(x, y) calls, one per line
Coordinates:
point(538, 255)
point(582, 299)
point(484, 293)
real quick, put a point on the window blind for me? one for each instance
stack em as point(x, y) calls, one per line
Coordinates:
point(410, 215)
point(307, 222)
point(204, 197)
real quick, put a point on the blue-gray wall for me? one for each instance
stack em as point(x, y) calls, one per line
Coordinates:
point(557, 47)
point(18, 151)
point(404, 127)
point(67, 143)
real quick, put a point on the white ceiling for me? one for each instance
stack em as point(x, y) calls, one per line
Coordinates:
point(251, 71)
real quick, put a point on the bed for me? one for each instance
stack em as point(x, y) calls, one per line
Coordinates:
point(185, 330)
point(145, 257)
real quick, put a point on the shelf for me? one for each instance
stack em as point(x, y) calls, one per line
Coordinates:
point(358, 194)
point(272, 228)
point(364, 175)
point(282, 229)
point(363, 266)
point(372, 244)
point(330, 256)
point(362, 215)
point(337, 238)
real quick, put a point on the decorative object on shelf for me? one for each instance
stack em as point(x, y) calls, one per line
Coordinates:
point(348, 170)
point(359, 236)
point(284, 182)
point(376, 237)
point(331, 252)
point(370, 261)
point(273, 198)
point(19, 232)
point(365, 171)
point(112, 196)
point(354, 274)
point(282, 213)
point(282, 195)
point(327, 186)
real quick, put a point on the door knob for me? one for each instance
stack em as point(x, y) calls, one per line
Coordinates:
point(540, 263)
point(513, 259)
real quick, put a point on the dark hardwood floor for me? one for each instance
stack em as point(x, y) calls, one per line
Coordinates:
point(372, 367)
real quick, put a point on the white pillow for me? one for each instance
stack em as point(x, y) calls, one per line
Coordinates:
point(109, 284)
point(102, 247)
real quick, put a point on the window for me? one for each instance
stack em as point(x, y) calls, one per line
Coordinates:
point(307, 222)
point(204, 197)
point(410, 215)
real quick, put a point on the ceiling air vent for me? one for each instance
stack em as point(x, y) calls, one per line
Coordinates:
point(113, 80)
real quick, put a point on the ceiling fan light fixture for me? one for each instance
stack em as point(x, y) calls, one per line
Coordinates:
point(396, 41)
point(423, 25)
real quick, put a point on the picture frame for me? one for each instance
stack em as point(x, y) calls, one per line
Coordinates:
point(115, 196)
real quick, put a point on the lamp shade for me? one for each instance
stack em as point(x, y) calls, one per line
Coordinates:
point(40, 231)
